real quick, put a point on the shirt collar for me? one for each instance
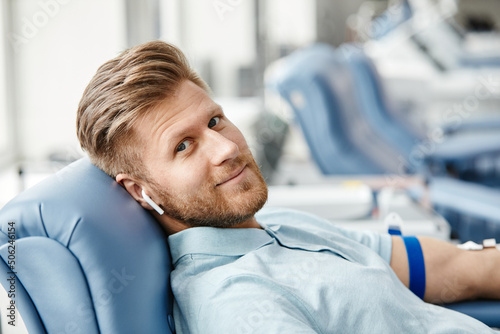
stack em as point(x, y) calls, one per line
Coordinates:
point(218, 241)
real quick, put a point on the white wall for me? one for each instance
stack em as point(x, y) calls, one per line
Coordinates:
point(4, 135)
point(221, 31)
point(59, 45)
point(291, 22)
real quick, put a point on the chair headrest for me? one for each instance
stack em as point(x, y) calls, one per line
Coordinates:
point(87, 256)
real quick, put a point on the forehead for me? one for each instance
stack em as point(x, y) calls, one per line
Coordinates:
point(188, 99)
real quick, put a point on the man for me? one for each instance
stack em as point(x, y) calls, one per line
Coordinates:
point(148, 120)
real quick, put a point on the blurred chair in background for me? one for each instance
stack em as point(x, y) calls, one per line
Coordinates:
point(340, 104)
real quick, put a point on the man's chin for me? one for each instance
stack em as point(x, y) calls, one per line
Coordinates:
point(235, 210)
point(219, 207)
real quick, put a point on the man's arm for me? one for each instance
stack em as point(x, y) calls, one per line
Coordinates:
point(452, 274)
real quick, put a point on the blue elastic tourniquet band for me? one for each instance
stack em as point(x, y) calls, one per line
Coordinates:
point(417, 265)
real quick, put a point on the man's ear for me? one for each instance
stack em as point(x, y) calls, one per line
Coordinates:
point(134, 188)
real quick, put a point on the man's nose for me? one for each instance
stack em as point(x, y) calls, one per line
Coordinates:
point(219, 148)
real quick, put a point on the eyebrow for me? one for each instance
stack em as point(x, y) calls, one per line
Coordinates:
point(214, 109)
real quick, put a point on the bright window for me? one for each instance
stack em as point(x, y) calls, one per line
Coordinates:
point(5, 120)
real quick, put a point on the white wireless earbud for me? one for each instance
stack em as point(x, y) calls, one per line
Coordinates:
point(153, 204)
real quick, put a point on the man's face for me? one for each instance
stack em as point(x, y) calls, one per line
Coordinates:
point(199, 166)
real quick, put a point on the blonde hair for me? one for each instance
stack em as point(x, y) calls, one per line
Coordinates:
point(124, 89)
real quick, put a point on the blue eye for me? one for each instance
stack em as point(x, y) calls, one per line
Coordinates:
point(214, 121)
point(182, 146)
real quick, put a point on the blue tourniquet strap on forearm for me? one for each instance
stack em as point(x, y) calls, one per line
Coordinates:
point(416, 264)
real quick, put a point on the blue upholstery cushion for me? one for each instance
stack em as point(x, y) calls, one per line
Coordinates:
point(473, 210)
point(89, 259)
point(486, 311)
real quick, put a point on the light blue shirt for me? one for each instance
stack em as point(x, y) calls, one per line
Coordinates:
point(299, 274)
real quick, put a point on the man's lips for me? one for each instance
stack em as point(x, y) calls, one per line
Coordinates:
point(237, 172)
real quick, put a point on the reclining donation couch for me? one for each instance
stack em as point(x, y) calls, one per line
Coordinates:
point(87, 258)
point(84, 257)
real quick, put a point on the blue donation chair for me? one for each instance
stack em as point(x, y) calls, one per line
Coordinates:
point(462, 154)
point(311, 81)
point(88, 258)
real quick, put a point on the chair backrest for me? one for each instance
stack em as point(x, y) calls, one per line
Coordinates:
point(303, 79)
point(374, 105)
point(338, 100)
point(88, 258)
